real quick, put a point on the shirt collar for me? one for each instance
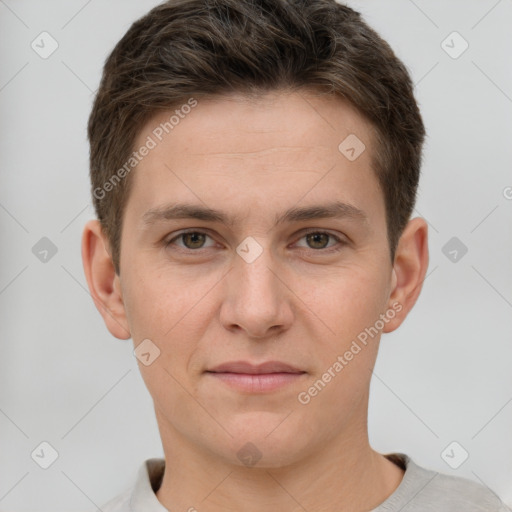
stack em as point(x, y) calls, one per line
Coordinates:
point(151, 473)
point(148, 482)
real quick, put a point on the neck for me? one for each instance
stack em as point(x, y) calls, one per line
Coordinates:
point(346, 474)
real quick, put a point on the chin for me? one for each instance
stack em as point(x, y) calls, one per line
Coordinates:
point(266, 444)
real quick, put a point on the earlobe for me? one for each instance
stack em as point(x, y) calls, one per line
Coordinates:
point(103, 281)
point(409, 270)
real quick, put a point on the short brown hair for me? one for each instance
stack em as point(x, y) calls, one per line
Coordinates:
point(197, 48)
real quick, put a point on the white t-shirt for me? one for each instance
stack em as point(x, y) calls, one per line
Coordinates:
point(421, 490)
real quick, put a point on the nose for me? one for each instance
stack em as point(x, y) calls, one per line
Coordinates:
point(256, 298)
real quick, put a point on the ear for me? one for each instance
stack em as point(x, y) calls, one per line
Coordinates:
point(409, 270)
point(104, 283)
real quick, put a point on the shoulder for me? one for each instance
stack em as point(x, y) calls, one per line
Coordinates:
point(120, 503)
point(452, 491)
point(425, 490)
point(141, 496)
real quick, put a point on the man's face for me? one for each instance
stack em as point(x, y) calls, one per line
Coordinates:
point(252, 288)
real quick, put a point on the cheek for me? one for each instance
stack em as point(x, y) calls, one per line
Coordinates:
point(346, 299)
point(174, 312)
point(350, 303)
point(350, 306)
point(161, 302)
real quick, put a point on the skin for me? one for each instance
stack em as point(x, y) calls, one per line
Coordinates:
point(299, 302)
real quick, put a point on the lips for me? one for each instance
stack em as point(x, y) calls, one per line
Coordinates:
point(245, 377)
point(251, 369)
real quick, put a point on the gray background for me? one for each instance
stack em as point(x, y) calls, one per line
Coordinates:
point(444, 376)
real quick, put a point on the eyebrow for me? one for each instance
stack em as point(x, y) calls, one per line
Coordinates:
point(332, 210)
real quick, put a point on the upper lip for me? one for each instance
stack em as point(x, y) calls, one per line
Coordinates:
point(246, 367)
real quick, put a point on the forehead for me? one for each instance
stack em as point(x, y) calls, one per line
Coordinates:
point(299, 116)
point(279, 148)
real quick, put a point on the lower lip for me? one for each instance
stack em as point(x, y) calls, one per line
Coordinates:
point(257, 383)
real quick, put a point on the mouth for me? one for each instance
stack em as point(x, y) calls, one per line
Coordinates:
point(261, 378)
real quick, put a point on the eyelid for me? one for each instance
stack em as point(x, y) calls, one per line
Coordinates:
point(178, 235)
point(341, 240)
point(307, 231)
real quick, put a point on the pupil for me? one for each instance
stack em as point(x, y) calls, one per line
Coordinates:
point(315, 238)
point(195, 237)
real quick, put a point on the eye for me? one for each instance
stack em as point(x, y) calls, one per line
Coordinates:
point(315, 240)
point(319, 240)
point(192, 240)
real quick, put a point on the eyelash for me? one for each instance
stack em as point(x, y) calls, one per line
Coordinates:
point(340, 242)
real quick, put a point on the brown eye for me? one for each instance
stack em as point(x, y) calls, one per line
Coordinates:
point(318, 240)
point(321, 242)
point(193, 240)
